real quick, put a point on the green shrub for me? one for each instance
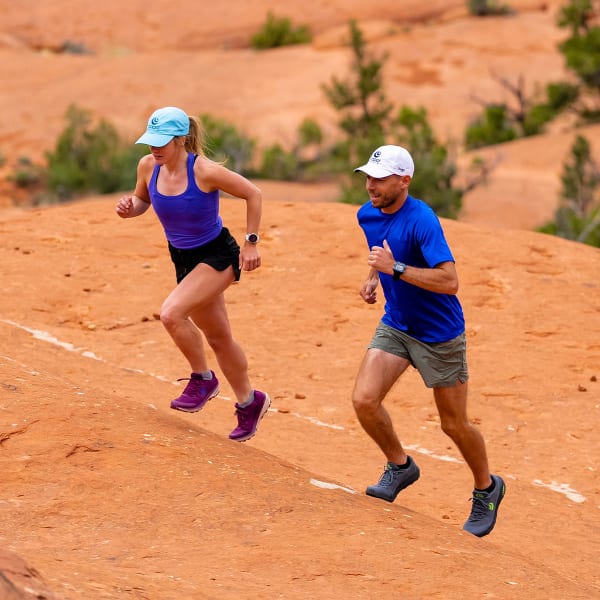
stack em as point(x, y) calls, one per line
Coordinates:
point(310, 133)
point(27, 174)
point(70, 47)
point(483, 8)
point(224, 143)
point(590, 115)
point(567, 224)
point(363, 115)
point(582, 53)
point(307, 160)
point(493, 127)
point(578, 214)
point(91, 159)
point(279, 31)
point(364, 111)
point(582, 49)
point(537, 118)
point(559, 97)
point(279, 164)
point(355, 192)
point(434, 169)
point(367, 122)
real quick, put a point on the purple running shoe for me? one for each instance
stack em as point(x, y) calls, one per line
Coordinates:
point(197, 393)
point(249, 416)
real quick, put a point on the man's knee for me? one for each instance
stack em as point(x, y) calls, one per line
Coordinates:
point(364, 402)
point(454, 427)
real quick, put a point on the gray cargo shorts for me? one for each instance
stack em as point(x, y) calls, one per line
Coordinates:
point(441, 364)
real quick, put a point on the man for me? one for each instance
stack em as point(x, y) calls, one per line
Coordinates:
point(423, 326)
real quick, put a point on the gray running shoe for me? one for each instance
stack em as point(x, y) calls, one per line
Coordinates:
point(485, 508)
point(394, 480)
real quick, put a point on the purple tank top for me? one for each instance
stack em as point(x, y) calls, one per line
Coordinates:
point(189, 219)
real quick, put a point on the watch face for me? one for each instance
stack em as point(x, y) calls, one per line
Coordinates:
point(398, 269)
point(252, 238)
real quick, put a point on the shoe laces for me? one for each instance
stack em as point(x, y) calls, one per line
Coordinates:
point(387, 477)
point(195, 385)
point(243, 415)
point(479, 510)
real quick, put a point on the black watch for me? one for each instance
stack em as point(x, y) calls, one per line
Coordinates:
point(398, 269)
point(252, 238)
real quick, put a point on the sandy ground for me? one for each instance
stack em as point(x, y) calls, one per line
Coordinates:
point(109, 494)
point(106, 493)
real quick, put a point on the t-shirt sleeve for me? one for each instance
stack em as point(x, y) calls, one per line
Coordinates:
point(432, 240)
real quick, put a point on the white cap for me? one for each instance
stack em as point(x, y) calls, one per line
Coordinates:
point(389, 160)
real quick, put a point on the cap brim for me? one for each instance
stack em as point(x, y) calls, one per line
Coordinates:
point(375, 171)
point(155, 139)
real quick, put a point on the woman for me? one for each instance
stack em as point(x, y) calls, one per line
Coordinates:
point(183, 187)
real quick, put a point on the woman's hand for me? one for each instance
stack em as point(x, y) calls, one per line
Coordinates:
point(124, 207)
point(249, 257)
point(131, 206)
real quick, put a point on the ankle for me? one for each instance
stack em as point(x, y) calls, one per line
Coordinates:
point(249, 399)
point(401, 463)
point(487, 489)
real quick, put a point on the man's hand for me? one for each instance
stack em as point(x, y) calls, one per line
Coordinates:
point(368, 292)
point(382, 259)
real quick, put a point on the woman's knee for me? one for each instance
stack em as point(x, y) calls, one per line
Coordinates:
point(220, 340)
point(171, 317)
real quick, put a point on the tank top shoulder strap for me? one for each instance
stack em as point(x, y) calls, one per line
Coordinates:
point(191, 161)
point(152, 186)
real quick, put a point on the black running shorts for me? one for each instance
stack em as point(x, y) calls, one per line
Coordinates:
point(220, 253)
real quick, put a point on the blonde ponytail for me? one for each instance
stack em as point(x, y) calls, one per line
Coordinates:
point(194, 141)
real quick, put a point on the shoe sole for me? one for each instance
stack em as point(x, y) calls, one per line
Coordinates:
point(263, 412)
point(193, 410)
point(371, 492)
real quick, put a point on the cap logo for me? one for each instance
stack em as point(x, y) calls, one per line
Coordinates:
point(155, 120)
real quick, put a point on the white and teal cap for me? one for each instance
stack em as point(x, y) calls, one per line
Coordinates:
point(389, 160)
point(163, 125)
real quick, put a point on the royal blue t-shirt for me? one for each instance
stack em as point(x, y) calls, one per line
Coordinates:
point(415, 236)
point(190, 219)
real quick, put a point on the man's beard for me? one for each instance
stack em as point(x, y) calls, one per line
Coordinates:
point(386, 202)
